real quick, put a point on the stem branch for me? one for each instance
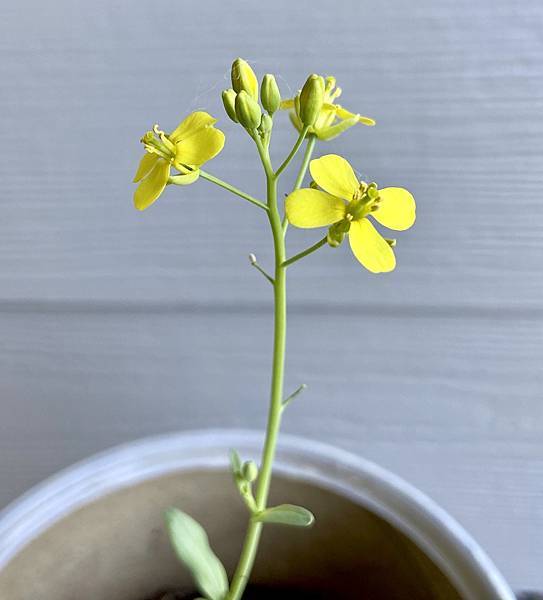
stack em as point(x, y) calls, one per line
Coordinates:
point(305, 252)
point(232, 189)
point(295, 149)
point(311, 139)
point(254, 263)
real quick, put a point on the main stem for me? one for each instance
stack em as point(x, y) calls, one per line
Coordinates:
point(254, 530)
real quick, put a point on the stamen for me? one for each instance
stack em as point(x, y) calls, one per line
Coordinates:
point(330, 83)
point(157, 130)
point(336, 94)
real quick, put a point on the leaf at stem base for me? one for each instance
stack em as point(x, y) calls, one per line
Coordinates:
point(286, 514)
point(191, 545)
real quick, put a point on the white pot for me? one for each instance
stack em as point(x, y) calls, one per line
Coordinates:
point(95, 530)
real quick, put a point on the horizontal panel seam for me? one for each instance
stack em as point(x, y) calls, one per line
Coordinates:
point(453, 311)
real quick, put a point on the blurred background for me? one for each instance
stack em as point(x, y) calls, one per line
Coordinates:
point(117, 324)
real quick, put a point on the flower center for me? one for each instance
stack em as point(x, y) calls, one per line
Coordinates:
point(157, 142)
point(365, 200)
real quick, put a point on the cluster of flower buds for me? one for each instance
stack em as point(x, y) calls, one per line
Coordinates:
point(245, 474)
point(241, 100)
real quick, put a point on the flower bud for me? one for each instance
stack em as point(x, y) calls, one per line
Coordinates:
point(269, 92)
point(248, 112)
point(311, 100)
point(249, 471)
point(266, 124)
point(229, 101)
point(244, 78)
point(336, 233)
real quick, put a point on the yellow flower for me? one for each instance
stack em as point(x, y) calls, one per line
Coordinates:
point(333, 118)
point(187, 148)
point(345, 205)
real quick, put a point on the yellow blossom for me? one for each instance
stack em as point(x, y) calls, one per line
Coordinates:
point(345, 203)
point(187, 148)
point(333, 119)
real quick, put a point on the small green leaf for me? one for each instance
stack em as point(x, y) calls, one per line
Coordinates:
point(235, 462)
point(191, 545)
point(286, 514)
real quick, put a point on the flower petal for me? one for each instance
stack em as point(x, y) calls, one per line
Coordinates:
point(343, 113)
point(370, 248)
point(185, 178)
point(308, 208)
point(199, 147)
point(334, 175)
point(327, 116)
point(152, 186)
point(289, 103)
point(396, 209)
point(331, 132)
point(191, 124)
point(146, 164)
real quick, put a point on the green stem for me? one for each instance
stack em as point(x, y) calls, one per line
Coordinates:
point(232, 189)
point(254, 530)
point(307, 251)
point(295, 149)
point(311, 140)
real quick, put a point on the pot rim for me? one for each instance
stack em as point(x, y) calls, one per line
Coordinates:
point(362, 481)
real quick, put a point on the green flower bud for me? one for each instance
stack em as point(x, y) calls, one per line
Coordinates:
point(229, 101)
point(336, 233)
point(311, 100)
point(249, 471)
point(248, 112)
point(244, 78)
point(269, 92)
point(334, 238)
point(266, 124)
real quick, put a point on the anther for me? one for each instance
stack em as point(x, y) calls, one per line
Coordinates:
point(157, 130)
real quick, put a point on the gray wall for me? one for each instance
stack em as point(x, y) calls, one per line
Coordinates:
point(117, 324)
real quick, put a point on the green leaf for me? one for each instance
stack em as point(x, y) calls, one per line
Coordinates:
point(191, 545)
point(235, 462)
point(286, 514)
